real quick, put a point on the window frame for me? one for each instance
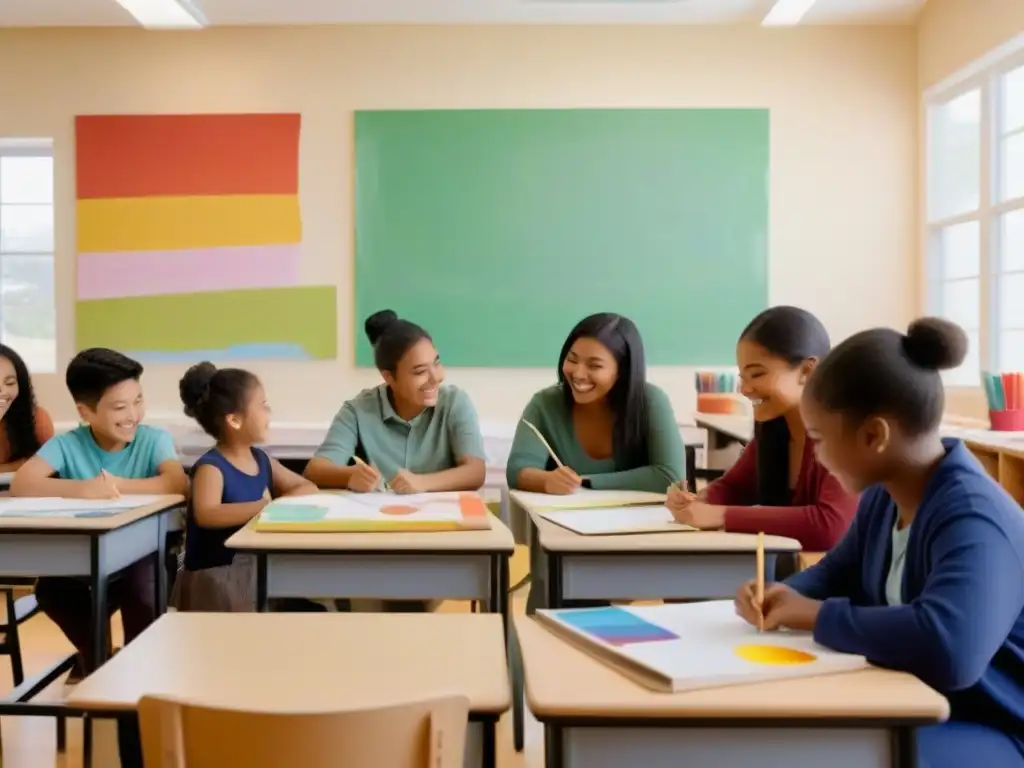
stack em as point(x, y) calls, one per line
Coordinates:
point(984, 75)
point(31, 147)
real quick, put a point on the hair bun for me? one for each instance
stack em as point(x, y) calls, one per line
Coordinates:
point(194, 387)
point(377, 323)
point(935, 344)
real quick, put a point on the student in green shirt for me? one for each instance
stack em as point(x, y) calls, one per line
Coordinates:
point(411, 433)
point(610, 428)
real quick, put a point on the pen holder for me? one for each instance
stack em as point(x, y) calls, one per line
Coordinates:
point(718, 402)
point(1007, 421)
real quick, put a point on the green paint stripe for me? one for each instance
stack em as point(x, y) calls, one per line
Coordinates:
point(305, 315)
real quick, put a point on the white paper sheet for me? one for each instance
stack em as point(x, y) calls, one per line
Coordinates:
point(612, 520)
point(430, 507)
point(586, 498)
point(53, 506)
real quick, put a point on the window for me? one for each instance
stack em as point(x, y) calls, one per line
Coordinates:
point(975, 215)
point(27, 315)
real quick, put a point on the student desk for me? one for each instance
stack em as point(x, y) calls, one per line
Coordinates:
point(443, 565)
point(693, 564)
point(308, 662)
point(5, 480)
point(595, 717)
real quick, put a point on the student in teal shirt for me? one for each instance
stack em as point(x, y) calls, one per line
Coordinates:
point(609, 427)
point(412, 433)
point(111, 454)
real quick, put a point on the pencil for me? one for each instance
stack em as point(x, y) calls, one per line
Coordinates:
point(382, 485)
point(540, 437)
point(760, 581)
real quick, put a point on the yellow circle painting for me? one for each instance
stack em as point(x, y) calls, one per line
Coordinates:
point(773, 654)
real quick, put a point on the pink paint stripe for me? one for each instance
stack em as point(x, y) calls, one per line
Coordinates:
point(146, 273)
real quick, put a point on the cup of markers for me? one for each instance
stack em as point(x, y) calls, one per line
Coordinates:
point(716, 393)
point(1005, 395)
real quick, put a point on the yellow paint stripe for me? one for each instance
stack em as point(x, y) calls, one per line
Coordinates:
point(181, 223)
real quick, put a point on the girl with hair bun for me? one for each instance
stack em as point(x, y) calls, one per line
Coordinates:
point(929, 579)
point(231, 484)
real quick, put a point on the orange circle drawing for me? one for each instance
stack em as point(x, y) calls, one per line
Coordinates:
point(397, 509)
point(774, 655)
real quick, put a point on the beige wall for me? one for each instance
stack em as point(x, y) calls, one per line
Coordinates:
point(951, 35)
point(843, 189)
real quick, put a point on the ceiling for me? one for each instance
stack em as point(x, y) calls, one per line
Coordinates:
point(100, 13)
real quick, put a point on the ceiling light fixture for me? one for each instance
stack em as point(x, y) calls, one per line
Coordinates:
point(787, 13)
point(165, 14)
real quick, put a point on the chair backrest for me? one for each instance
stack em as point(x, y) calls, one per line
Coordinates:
point(421, 734)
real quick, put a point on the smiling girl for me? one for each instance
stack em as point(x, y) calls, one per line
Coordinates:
point(411, 434)
point(929, 579)
point(611, 429)
point(777, 486)
point(26, 426)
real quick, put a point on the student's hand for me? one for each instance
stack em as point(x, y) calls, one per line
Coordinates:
point(562, 481)
point(103, 486)
point(745, 602)
point(785, 607)
point(678, 499)
point(706, 517)
point(363, 479)
point(408, 482)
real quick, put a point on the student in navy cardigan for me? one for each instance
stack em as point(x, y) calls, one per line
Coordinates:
point(929, 579)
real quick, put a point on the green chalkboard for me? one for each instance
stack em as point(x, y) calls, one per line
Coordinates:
point(498, 230)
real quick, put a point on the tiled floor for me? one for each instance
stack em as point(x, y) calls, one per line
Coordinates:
point(30, 742)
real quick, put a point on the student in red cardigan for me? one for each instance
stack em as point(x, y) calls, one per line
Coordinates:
point(777, 486)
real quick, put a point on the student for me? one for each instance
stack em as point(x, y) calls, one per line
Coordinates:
point(111, 454)
point(26, 426)
point(777, 486)
point(413, 434)
point(610, 428)
point(231, 484)
point(929, 579)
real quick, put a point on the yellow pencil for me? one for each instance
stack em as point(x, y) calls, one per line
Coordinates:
point(551, 451)
point(381, 484)
point(760, 581)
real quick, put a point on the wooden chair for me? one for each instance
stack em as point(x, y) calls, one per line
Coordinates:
point(423, 734)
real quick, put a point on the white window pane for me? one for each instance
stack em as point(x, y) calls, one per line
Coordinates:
point(1012, 94)
point(27, 317)
point(1011, 241)
point(933, 298)
point(26, 229)
point(961, 303)
point(1011, 350)
point(1011, 167)
point(968, 374)
point(954, 156)
point(959, 251)
point(26, 180)
point(1011, 301)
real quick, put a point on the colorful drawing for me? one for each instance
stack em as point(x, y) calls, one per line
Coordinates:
point(189, 240)
point(693, 645)
point(375, 512)
point(615, 626)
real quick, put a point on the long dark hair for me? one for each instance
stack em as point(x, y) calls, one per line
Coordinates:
point(794, 336)
point(627, 398)
point(20, 420)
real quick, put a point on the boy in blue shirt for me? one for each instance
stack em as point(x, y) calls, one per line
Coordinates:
point(111, 454)
point(929, 579)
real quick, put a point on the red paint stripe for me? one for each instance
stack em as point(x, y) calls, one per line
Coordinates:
point(147, 155)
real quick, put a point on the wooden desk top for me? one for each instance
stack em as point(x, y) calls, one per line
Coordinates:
point(497, 538)
point(306, 662)
point(737, 426)
point(555, 538)
point(88, 524)
point(562, 682)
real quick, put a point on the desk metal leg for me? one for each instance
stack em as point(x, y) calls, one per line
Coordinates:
point(554, 747)
point(489, 748)
point(904, 748)
point(555, 599)
point(261, 583)
point(160, 574)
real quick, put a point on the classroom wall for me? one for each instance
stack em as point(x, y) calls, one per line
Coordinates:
point(950, 35)
point(844, 139)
